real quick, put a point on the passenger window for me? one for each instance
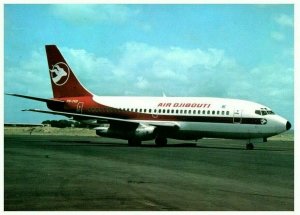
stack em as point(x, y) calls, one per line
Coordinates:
point(149, 110)
point(203, 112)
point(218, 112)
point(199, 111)
point(185, 111)
point(136, 110)
point(213, 112)
point(227, 113)
point(181, 111)
point(159, 110)
point(168, 111)
point(154, 110)
point(223, 112)
point(163, 110)
point(190, 111)
point(145, 110)
point(194, 112)
point(172, 111)
point(208, 112)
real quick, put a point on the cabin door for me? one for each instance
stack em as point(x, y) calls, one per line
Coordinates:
point(79, 107)
point(237, 116)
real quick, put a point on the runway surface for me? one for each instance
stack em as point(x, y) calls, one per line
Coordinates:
point(91, 173)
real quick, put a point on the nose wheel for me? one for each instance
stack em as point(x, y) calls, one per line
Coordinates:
point(249, 146)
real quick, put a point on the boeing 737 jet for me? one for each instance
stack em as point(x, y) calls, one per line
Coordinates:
point(138, 119)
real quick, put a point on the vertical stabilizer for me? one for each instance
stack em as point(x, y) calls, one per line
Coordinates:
point(64, 82)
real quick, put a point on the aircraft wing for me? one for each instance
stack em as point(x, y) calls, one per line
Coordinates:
point(162, 125)
point(83, 116)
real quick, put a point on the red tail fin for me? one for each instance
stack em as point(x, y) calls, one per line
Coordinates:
point(64, 82)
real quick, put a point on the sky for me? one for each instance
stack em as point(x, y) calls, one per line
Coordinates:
point(221, 50)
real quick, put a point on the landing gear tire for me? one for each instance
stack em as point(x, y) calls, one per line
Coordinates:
point(249, 146)
point(134, 142)
point(161, 141)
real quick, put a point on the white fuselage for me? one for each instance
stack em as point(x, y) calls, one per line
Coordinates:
point(199, 117)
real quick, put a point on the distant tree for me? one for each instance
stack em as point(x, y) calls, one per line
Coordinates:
point(59, 123)
point(46, 122)
point(66, 123)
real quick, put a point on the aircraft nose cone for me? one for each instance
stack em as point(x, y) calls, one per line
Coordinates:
point(288, 125)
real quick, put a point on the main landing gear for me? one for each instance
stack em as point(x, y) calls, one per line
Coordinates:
point(249, 146)
point(161, 141)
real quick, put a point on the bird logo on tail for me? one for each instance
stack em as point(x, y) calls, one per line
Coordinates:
point(60, 73)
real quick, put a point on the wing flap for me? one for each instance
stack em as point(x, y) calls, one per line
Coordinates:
point(165, 124)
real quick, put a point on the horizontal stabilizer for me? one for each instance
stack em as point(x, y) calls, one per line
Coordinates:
point(36, 98)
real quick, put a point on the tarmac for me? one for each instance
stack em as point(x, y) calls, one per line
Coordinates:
point(50, 173)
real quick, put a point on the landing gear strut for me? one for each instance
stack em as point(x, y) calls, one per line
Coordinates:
point(249, 146)
point(161, 141)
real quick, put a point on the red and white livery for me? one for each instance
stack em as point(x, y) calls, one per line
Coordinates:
point(137, 119)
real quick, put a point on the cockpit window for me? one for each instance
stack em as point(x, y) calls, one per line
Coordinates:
point(264, 112)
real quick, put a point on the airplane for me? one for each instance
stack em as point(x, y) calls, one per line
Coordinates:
point(138, 119)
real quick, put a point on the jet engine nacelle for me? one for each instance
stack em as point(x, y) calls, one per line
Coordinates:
point(141, 133)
